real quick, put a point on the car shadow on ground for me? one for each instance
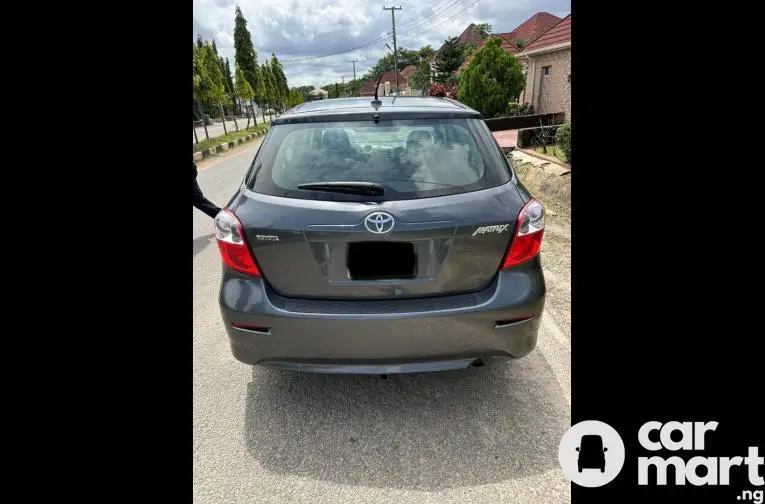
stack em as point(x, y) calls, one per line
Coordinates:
point(426, 432)
point(201, 242)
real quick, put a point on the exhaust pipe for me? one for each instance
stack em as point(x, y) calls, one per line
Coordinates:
point(477, 363)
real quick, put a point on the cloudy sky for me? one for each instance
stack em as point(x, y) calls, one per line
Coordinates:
point(306, 35)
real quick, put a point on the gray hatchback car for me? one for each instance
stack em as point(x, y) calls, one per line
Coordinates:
point(380, 236)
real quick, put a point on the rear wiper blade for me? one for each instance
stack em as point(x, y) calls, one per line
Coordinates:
point(369, 188)
point(461, 188)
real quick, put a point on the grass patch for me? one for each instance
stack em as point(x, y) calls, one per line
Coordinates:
point(232, 136)
point(554, 151)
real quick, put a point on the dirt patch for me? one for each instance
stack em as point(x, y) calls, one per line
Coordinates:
point(545, 179)
point(556, 263)
point(550, 183)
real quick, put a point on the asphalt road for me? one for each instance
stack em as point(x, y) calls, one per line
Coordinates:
point(488, 434)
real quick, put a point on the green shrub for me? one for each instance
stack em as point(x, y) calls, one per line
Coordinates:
point(493, 79)
point(516, 109)
point(563, 139)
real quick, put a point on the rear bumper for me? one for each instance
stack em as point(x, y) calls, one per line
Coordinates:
point(375, 336)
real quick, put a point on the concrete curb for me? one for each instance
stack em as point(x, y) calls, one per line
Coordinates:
point(546, 158)
point(213, 151)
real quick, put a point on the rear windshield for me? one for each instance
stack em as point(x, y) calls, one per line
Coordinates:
point(410, 158)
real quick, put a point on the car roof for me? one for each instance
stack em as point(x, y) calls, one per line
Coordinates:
point(387, 108)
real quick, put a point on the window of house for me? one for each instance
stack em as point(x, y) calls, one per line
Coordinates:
point(546, 70)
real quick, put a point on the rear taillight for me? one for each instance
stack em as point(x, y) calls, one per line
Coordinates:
point(233, 244)
point(528, 235)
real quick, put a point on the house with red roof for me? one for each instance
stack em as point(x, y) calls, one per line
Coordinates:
point(408, 71)
point(469, 37)
point(542, 45)
point(548, 70)
point(368, 89)
point(514, 41)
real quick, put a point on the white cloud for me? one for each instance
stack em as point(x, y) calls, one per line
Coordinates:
point(297, 31)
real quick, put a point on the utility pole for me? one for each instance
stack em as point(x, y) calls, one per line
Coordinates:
point(395, 49)
point(354, 76)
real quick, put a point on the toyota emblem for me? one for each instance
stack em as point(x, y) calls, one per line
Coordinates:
point(379, 222)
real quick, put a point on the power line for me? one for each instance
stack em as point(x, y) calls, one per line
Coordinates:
point(412, 24)
point(395, 49)
point(432, 27)
point(437, 11)
point(423, 32)
point(445, 20)
point(444, 6)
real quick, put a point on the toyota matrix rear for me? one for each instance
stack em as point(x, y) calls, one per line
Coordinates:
point(380, 237)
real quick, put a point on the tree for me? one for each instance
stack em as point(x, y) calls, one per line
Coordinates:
point(214, 89)
point(422, 77)
point(260, 91)
point(450, 57)
point(483, 30)
point(294, 97)
point(243, 90)
point(271, 92)
point(244, 53)
point(279, 78)
point(201, 82)
point(305, 91)
point(219, 58)
point(563, 139)
point(352, 87)
point(230, 88)
point(229, 79)
point(493, 79)
point(406, 57)
point(426, 53)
